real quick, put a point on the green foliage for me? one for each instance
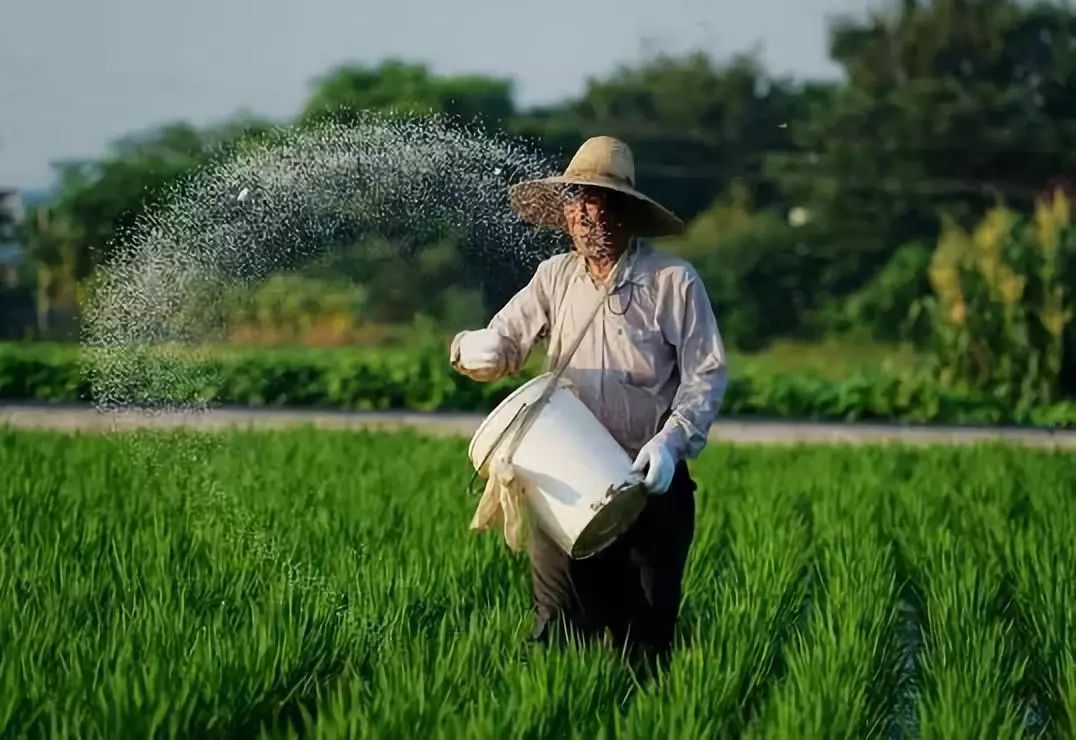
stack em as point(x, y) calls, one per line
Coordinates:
point(834, 358)
point(766, 277)
point(290, 307)
point(695, 126)
point(845, 647)
point(325, 584)
point(42, 372)
point(397, 87)
point(879, 310)
point(1003, 309)
point(867, 395)
point(419, 377)
point(971, 667)
point(434, 281)
point(950, 105)
point(97, 200)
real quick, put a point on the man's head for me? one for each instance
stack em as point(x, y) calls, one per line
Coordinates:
point(597, 219)
point(595, 200)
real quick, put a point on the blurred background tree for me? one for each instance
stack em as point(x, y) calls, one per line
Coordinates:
point(815, 210)
point(950, 107)
point(1004, 302)
point(695, 127)
point(96, 200)
point(398, 87)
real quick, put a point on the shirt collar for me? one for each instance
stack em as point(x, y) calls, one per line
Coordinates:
point(630, 271)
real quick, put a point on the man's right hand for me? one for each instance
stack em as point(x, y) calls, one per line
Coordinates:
point(481, 355)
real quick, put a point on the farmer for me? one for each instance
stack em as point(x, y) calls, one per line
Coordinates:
point(651, 367)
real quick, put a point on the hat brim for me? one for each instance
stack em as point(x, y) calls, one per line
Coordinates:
point(540, 202)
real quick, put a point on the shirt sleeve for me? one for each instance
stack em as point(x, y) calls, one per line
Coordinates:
point(521, 322)
point(700, 356)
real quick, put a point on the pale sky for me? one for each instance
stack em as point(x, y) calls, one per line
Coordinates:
point(77, 74)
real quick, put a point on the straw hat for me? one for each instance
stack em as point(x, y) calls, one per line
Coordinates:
point(602, 162)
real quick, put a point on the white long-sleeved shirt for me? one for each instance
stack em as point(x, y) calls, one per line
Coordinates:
point(651, 363)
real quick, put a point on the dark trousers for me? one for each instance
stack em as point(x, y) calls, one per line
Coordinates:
point(632, 588)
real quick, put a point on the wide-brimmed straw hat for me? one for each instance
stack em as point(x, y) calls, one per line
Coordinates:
point(602, 162)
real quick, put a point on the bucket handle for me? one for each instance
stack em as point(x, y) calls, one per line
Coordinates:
point(496, 443)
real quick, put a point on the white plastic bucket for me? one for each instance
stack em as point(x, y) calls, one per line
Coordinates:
point(578, 481)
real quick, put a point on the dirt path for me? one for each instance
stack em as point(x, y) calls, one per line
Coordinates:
point(85, 418)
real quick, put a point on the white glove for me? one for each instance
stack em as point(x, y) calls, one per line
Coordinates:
point(660, 464)
point(481, 354)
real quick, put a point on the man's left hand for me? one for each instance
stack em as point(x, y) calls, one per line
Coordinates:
point(660, 465)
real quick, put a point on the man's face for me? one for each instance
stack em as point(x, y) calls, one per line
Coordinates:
point(590, 219)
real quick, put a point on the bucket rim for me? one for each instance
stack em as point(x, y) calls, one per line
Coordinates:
point(627, 504)
point(499, 409)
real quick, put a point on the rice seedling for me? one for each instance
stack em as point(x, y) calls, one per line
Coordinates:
point(312, 583)
point(841, 667)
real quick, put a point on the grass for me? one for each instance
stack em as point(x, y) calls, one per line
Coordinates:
point(832, 359)
point(324, 584)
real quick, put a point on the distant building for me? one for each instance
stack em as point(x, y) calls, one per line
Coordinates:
point(12, 214)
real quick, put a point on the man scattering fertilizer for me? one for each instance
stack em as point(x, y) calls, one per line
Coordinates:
point(650, 366)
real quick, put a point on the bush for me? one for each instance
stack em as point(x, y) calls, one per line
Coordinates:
point(1001, 317)
point(880, 308)
point(420, 378)
point(766, 277)
point(290, 306)
point(41, 372)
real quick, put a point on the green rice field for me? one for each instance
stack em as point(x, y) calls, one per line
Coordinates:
point(325, 584)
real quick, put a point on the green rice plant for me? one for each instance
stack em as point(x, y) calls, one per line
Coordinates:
point(1045, 569)
point(325, 584)
point(841, 666)
point(1040, 557)
point(969, 668)
point(742, 597)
